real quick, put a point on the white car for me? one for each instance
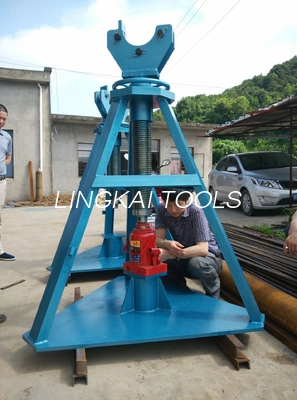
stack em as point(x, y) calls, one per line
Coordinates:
point(255, 181)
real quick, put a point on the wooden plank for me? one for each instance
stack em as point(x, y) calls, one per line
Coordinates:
point(81, 366)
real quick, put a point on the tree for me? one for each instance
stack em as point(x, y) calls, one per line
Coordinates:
point(223, 147)
point(240, 106)
point(158, 116)
point(250, 95)
point(189, 109)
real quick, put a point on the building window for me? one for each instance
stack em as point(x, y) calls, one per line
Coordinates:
point(84, 150)
point(9, 167)
point(156, 162)
point(177, 166)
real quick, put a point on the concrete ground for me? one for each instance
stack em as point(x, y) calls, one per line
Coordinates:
point(185, 369)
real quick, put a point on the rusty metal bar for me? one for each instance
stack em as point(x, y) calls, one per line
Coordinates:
point(12, 284)
point(230, 346)
point(81, 367)
point(77, 294)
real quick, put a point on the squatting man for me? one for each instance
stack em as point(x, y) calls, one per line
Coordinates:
point(193, 252)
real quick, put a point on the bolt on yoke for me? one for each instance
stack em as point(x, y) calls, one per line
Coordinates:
point(141, 67)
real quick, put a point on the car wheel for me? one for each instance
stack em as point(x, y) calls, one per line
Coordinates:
point(246, 204)
point(213, 195)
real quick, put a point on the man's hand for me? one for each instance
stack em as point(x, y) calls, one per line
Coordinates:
point(290, 245)
point(175, 248)
point(171, 249)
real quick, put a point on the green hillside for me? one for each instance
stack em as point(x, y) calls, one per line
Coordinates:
point(280, 82)
point(250, 95)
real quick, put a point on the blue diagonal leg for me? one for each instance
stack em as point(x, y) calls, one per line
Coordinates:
point(77, 222)
point(212, 217)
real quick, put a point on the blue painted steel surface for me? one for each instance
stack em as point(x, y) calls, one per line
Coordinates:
point(88, 261)
point(110, 254)
point(95, 259)
point(102, 101)
point(109, 315)
point(142, 87)
point(150, 181)
point(147, 60)
point(96, 320)
point(145, 295)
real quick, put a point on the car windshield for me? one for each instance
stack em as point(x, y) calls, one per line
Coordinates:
point(255, 161)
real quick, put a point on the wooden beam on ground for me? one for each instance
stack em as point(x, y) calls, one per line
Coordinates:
point(81, 366)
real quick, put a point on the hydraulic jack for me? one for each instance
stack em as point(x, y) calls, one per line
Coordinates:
point(145, 292)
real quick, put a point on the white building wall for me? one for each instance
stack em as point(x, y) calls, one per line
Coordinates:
point(67, 132)
point(194, 136)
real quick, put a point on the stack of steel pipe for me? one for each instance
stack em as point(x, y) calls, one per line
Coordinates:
point(263, 257)
point(272, 277)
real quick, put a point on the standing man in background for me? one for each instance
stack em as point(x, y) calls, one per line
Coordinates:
point(5, 159)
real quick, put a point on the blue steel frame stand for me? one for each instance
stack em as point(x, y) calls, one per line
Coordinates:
point(132, 309)
point(109, 255)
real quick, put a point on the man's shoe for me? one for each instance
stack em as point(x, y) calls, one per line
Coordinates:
point(2, 318)
point(6, 257)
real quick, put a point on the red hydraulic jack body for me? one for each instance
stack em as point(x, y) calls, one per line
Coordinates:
point(144, 255)
point(145, 291)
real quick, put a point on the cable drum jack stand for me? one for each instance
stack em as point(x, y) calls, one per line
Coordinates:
point(137, 307)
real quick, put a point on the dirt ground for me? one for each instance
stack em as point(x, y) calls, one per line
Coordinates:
point(183, 369)
point(56, 199)
point(45, 201)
